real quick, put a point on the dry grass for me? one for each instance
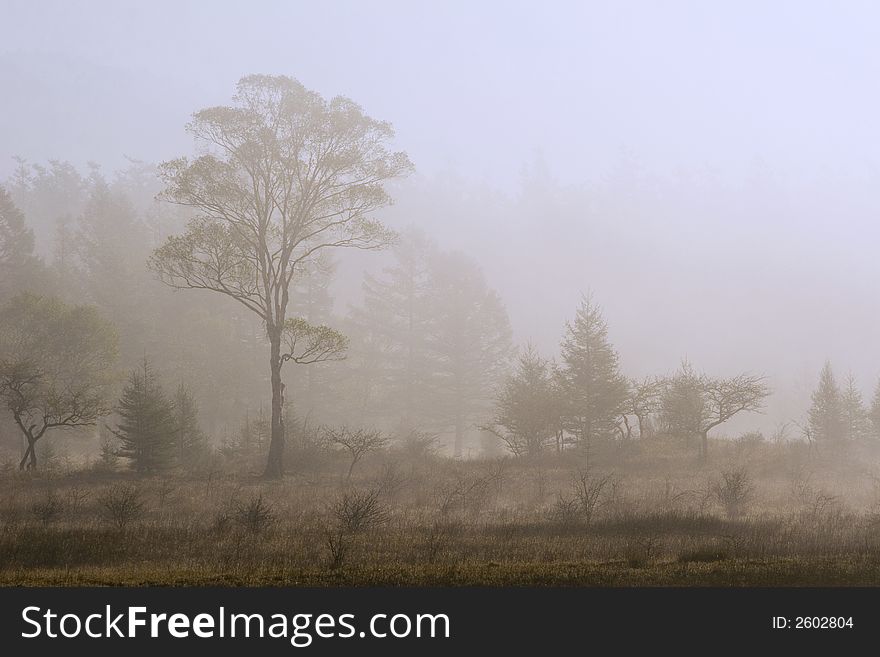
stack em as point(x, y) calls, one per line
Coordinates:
point(652, 519)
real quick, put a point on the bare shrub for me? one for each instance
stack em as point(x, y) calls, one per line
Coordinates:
point(76, 499)
point(338, 545)
point(469, 492)
point(48, 509)
point(254, 516)
point(356, 511)
point(733, 491)
point(584, 498)
point(121, 505)
point(642, 551)
point(357, 442)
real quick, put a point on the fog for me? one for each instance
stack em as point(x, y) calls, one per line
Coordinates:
point(521, 293)
point(709, 173)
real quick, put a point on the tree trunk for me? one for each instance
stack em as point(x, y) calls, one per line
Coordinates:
point(29, 460)
point(275, 463)
point(704, 445)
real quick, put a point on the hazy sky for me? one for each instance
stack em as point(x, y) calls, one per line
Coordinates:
point(709, 169)
point(472, 86)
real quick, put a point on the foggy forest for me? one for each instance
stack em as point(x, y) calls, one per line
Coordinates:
point(478, 297)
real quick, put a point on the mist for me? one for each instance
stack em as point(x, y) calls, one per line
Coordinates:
point(703, 177)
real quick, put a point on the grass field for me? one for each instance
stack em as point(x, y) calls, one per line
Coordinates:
point(762, 515)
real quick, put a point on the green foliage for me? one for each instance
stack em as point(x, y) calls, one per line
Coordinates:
point(593, 389)
point(306, 344)
point(147, 428)
point(527, 409)
point(190, 444)
point(683, 408)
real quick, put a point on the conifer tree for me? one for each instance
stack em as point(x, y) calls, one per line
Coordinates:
point(470, 344)
point(592, 386)
point(526, 413)
point(853, 411)
point(146, 432)
point(189, 441)
point(392, 357)
point(825, 419)
point(20, 269)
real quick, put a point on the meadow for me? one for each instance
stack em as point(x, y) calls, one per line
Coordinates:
point(754, 513)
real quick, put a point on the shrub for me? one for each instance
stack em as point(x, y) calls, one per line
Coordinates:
point(357, 511)
point(121, 505)
point(585, 498)
point(255, 516)
point(47, 509)
point(733, 491)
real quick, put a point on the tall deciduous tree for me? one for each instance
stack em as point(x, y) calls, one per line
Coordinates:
point(286, 174)
point(55, 361)
point(592, 386)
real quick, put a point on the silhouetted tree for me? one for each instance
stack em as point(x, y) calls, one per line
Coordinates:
point(146, 431)
point(825, 421)
point(394, 358)
point(470, 343)
point(20, 269)
point(695, 404)
point(592, 386)
point(854, 415)
point(287, 174)
point(54, 366)
point(726, 397)
point(527, 410)
point(357, 442)
point(682, 406)
point(189, 441)
point(643, 401)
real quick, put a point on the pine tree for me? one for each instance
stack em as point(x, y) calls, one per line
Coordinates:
point(682, 404)
point(590, 379)
point(826, 423)
point(853, 411)
point(526, 413)
point(470, 345)
point(146, 432)
point(392, 357)
point(189, 441)
point(20, 269)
